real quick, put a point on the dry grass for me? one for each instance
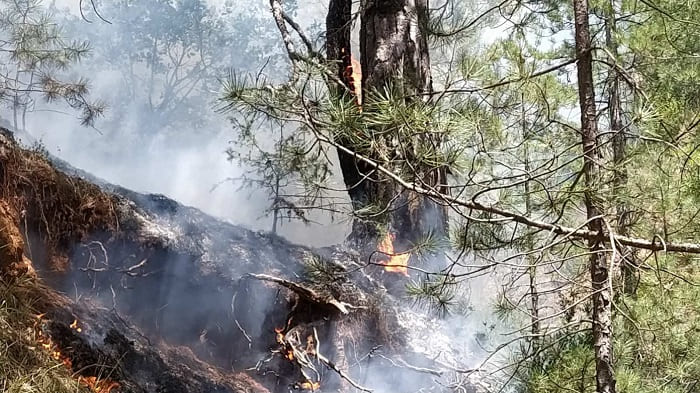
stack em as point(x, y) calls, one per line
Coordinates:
point(60, 209)
point(25, 367)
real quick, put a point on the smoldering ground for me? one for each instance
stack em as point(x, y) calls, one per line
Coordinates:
point(139, 152)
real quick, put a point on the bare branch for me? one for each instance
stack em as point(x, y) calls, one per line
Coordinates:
point(305, 292)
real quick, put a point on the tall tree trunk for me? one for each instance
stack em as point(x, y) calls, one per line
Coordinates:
point(619, 145)
point(592, 156)
point(338, 28)
point(394, 51)
point(393, 45)
point(530, 241)
point(339, 52)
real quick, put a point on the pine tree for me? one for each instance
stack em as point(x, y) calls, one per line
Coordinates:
point(35, 52)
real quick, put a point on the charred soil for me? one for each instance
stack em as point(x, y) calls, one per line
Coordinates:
point(141, 294)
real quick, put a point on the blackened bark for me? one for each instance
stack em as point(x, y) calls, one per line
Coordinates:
point(338, 52)
point(394, 52)
point(338, 26)
point(109, 348)
point(394, 46)
point(592, 156)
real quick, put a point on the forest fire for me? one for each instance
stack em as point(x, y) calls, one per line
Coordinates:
point(98, 385)
point(308, 385)
point(356, 74)
point(95, 384)
point(300, 355)
point(398, 262)
point(288, 351)
point(352, 75)
point(75, 326)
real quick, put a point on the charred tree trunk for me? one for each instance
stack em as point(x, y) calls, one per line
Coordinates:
point(592, 156)
point(338, 27)
point(339, 53)
point(393, 51)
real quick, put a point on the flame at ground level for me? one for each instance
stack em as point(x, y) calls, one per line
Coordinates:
point(398, 262)
point(98, 385)
point(310, 385)
point(75, 326)
point(95, 384)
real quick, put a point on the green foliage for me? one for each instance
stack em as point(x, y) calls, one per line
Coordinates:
point(387, 128)
point(34, 52)
point(657, 351)
point(282, 157)
point(566, 367)
point(160, 62)
point(322, 272)
point(437, 293)
point(479, 234)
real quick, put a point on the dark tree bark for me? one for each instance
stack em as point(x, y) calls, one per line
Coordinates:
point(393, 51)
point(592, 156)
point(619, 145)
point(338, 27)
point(338, 52)
point(393, 45)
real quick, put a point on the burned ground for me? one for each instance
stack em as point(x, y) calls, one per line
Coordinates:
point(173, 300)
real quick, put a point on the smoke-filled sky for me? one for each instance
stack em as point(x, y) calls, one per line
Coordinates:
point(137, 152)
point(185, 169)
point(130, 150)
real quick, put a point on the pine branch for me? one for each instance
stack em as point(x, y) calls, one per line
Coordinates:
point(656, 244)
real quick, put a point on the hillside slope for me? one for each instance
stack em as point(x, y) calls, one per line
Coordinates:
point(161, 297)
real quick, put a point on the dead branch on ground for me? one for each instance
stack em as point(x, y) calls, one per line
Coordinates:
point(306, 292)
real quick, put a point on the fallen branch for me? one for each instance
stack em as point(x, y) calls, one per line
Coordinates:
point(305, 292)
point(340, 372)
point(131, 271)
point(402, 363)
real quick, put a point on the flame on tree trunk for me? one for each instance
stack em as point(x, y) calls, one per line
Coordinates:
point(393, 50)
point(398, 262)
point(352, 76)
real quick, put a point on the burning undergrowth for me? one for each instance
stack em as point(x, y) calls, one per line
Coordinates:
point(29, 360)
point(165, 298)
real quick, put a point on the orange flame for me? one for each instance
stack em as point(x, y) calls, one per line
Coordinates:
point(289, 353)
point(398, 263)
point(95, 384)
point(356, 74)
point(75, 327)
point(352, 75)
point(308, 385)
point(279, 335)
point(98, 385)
